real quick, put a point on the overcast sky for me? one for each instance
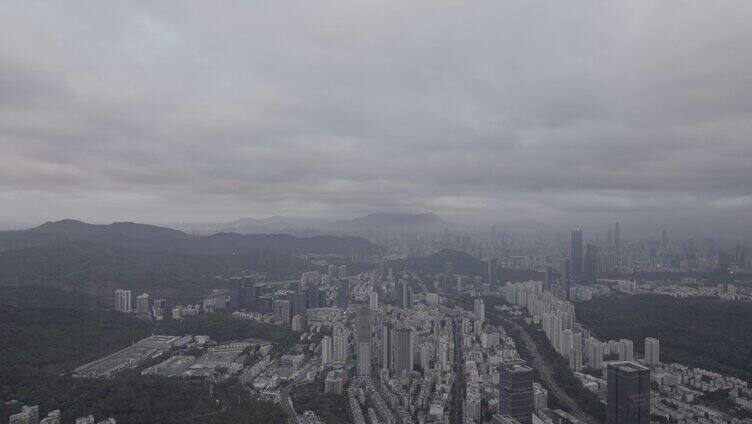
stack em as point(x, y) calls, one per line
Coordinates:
point(497, 110)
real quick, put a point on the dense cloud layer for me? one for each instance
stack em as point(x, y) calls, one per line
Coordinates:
point(559, 111)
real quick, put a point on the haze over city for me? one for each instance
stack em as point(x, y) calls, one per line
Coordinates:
point(375, 212)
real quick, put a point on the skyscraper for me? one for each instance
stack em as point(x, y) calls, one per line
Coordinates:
point(363, 340)
point(123, 300)
point(404, 295)
point(591, 263)
point(547, 278)
point(617, 239)
point(402, 349)
point(628, 397)
point(516, 392)
point(142, 306)
point(575, 254)
point(340, 348)
point(626, 350)
point(652, 347)
point(326, 350)
point(282, 311)
point(479, 310)
point(492, 271)
point(566, 277)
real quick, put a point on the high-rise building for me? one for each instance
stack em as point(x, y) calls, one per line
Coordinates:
point(626, 350)
point(142, 306)
point(327, 350)
point(575, 254)
point(123, 300)
point(628, 397)
point(363, 340)
point(591, 263)
point(340, 348)
point(566, 278)
point(547, 278)
point(402, 349)
point(343, 271)
point(404, 295)
point(343, 294)
point(617, 239)
point(652, 346)
point(479, 310)
point(516, 392)
point(282, 311)
point(373, 301)
point(492, 271)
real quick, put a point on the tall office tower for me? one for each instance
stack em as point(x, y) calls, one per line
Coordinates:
point(575, 254)
point(28, 415)
point(327, 350)
point(459, 284)
point(142, 306)
point(363, 340)
point(385, 346)
point(343, 271)
point(331, 273)
point(628, 397)
point(479, 310)
point(626, 350)
point(492, 271)
point(664, 240)
point(516, 392)
point(547, 278)
point(402, 348)
point(591, 263)
point(123, 300)
point(343, 294)
point(312, 297)
point(617, 239)
point(652, 347)
point(566, 277)
point(373, 301)
point(340, 348)
point(282, 311)
point(404, 295)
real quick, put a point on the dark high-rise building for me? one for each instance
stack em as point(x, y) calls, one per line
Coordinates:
point(617, 239)
point(363, 340)
point(492, 271)
point(566, 278)
point(591, 263)
point(516, 392)
point(664, 240)
point(575, 254)
point(343, 294)
point(628, 398)
point(402, 346)
point(312, 297)
point(547, 278)
point(403, 295)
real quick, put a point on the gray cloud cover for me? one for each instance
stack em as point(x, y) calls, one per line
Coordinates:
point(555, 111)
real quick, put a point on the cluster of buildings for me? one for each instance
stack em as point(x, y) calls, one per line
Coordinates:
point(30, 415)
point(145, 349)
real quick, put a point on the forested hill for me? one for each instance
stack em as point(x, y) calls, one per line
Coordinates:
point(99, 269)
point(153, 238)
point(462, 263)
point(703, 332)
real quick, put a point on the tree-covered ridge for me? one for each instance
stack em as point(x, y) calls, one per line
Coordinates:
point(700, 332)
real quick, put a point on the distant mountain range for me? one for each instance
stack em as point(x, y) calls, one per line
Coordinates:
point(153, 238)
point(368, 225)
